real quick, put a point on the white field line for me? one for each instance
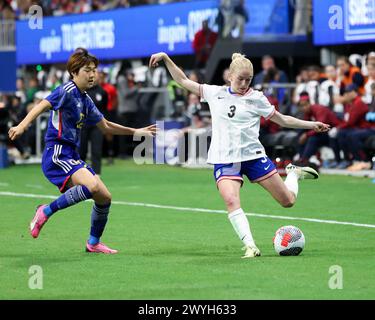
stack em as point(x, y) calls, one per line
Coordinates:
point(150, 205)
point(36, 186)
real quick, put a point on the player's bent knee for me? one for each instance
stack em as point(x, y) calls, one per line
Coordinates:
point(102, 198)
point(93, 187)
point(108, 197)
point(231, 200)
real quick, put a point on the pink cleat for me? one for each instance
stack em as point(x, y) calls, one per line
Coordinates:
point(99, 248)
point(38, 221)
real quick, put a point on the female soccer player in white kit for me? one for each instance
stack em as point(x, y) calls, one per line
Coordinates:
point(235, 149)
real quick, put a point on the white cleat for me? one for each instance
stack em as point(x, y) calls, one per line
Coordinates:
point(302, 172)
point(251, 252)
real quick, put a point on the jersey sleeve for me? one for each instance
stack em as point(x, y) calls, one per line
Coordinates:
point(93, 115)
point(56, 98)
point(207, 92)
point(264, 108)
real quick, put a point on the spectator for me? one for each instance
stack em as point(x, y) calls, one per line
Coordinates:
point(6, 11)
point(370, 115)
point(329, 91)
point(349, 74)
point(303, 75)
point(178, 96)
point(349, 137)
point(111, 111)
point(4, 118)
point(63, 7)
point(367, 97)
point(21, 90)
point(272, 76)
point(15, 114)
point(241, 17)
point(225, 18)
point(195, 123)
point(31, 90)
point(195, 115)
point(128, 107)
point(144, 101)
point(301, 79)
point(192, 111)
point(156, 78)
point(52, 81)
point(232, 16)
point(203, 43)
point(267, 126)
point(28, 139)
point(301, 17)
point(122, 4)
point(268, 63)
point(372, 104)
point(310, 141)
point(369, 59)
point(269, 133)
point(312, 86)
point(196, 76)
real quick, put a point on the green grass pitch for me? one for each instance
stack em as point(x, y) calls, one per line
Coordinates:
point(181, 254)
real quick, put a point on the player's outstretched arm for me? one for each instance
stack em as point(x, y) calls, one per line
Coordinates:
point(116, 129)
point(175, 72)
point(18, 130)
point(291, 122)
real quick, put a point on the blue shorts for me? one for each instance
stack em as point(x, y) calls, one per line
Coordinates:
point(256, 170)
point(59, 162)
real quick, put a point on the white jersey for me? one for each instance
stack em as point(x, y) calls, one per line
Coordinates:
point(235, 123)
point(311, 87)
point(367, 97)
point(324, 95)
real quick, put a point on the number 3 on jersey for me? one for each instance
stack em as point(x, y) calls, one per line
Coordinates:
point(232, 111)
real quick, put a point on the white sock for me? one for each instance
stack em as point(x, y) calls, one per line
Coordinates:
point(291, 182)
point(241, 226)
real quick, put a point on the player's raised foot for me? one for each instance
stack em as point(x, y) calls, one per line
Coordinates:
point(38, 221)
point(99, 248)
point(251, 252)
point(302, 172)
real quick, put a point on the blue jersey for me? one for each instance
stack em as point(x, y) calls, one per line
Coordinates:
point(71, 109)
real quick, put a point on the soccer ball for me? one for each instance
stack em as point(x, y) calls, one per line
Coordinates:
point(288, 241)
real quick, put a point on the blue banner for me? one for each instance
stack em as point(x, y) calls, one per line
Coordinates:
point(136, 32)
point(343, 21)
point(267, 17)
point(8, 69)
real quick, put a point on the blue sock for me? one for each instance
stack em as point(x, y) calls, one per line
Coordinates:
point(70, 197)
point(99, 218)
point(93, 240)
point(48, 211)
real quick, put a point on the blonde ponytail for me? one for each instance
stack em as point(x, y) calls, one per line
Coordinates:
point(239, 61)
point(237, 55)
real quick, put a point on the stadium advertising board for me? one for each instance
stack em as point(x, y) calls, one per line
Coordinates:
point(343, 21)
point(135, 32)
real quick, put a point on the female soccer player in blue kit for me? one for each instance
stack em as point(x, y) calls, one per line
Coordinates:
point(71, 108)
point(235, 149)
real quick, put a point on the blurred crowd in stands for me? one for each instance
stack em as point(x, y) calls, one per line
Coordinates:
point(19, 9)
point(342, 95)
